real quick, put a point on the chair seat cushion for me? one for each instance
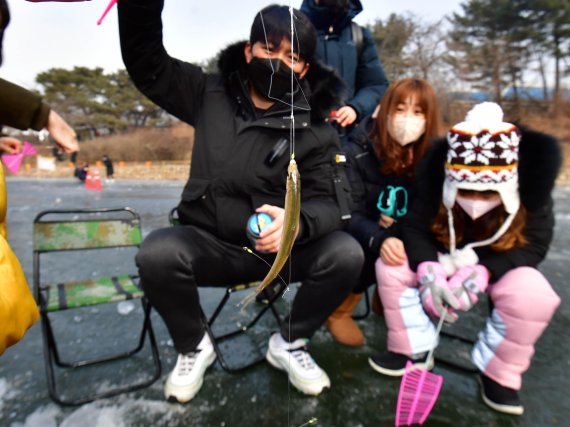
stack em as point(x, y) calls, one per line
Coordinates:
point(61, 296)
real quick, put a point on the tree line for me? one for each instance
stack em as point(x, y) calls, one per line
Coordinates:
point(490, 45)
point(94, 101)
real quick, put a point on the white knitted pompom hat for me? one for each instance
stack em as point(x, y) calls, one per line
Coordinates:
point(482, 155)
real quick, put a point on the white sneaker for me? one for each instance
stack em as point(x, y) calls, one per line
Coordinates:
point(188, 375)
point(294, 358)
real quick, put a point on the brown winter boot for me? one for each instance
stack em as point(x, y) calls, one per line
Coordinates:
point(341, 325)
point(377, 306)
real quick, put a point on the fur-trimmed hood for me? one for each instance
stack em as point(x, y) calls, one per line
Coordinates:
point(540, 159)
point(322, 85)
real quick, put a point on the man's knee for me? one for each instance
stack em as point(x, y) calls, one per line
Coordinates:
point(159, 249)
point(346, 254)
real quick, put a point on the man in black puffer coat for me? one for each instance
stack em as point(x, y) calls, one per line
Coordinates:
point(241, 117)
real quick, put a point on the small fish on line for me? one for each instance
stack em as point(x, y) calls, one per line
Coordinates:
point(290, 229)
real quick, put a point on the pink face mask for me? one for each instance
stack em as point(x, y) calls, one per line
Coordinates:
point(477, 208)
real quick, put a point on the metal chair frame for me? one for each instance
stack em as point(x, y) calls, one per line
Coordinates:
point(209, 322)
point(51, 352)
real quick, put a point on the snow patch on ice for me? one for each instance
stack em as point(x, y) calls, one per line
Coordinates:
point(125, 412)
point(45, 416)
point(6, 392)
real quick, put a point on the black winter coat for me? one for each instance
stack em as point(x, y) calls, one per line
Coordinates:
point(229, 177)
point(539, 162)
point(367, 182)
point(363, 74)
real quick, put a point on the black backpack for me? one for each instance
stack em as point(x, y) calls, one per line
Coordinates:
point(357, 37)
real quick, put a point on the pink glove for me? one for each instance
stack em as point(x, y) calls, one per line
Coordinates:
point(467, 282)
point(434, 291)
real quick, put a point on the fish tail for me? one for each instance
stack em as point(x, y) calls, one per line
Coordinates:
point(249, 298)
point(246, 301)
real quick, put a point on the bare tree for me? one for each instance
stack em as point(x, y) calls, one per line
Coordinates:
point(391, 38)
point(426, 47)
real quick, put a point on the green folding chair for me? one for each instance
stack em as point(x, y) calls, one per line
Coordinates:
point(93, 232)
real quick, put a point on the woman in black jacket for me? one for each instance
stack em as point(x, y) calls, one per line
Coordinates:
point(487, 231)
point(382, 153)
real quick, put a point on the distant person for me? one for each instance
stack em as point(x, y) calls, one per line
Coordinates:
point(21, 109)
point(108, 167)
point(57, 153)
point(350, 50)
point(241, 116)
point(81, 172)
point(382, 154)
point(482, 222)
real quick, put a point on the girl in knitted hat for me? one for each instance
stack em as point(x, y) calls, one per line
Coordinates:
point(382, 153)
point(485, 232)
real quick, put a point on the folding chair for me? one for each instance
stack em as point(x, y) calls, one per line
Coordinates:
point(92, 232)
point(209, 322)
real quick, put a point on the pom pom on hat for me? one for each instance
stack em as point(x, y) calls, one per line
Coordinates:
point(486, 115)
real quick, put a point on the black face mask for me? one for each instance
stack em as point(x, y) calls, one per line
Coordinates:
point(271, 77)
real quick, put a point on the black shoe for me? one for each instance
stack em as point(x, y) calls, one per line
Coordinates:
point(268, 293)
point(394, 364)
point(501, 399)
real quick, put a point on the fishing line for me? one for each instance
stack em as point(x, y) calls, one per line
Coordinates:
point(249, 251)
point(292, 155)
point(294, 40)
point(294, 77)
point(295, 87)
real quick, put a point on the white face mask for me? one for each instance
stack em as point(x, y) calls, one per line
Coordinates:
point(406, 129)
point(477, 208)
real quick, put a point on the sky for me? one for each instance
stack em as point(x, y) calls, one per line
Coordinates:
point(63, 35)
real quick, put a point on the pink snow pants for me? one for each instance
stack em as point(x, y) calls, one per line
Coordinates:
point(524, 303)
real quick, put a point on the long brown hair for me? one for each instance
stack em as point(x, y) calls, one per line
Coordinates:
point(397, 159)
point(483, 228)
